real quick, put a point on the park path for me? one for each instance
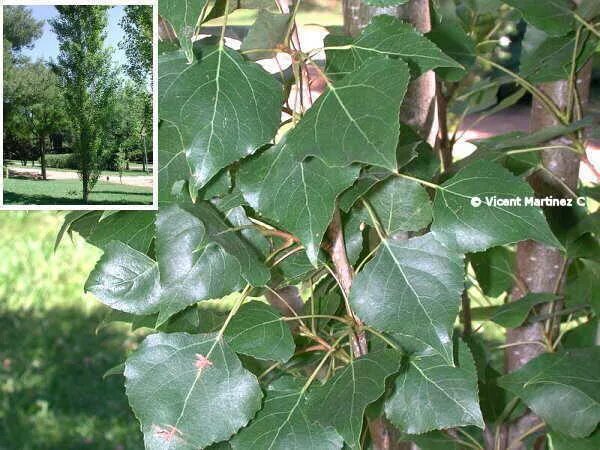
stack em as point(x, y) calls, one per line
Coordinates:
point(139, 180)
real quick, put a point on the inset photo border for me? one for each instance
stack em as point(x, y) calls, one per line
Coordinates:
point(76, 123)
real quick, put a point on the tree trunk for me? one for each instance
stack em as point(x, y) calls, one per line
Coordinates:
point(144, 156)
point(419, 111)
point(419, 108)
point(85, 179)
point(541, 268)
point(43, 157)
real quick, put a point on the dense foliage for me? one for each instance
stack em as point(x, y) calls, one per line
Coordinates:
point(304, 277)
point(100, 111)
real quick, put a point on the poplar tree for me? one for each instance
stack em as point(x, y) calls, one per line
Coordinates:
point(84, 68)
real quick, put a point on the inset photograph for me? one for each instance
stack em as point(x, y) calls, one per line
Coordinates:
point(78, 106)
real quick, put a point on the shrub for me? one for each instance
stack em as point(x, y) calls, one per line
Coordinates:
point(62, 161)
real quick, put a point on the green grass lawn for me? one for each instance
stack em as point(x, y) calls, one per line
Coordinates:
point(19, 191)
point(52, 395)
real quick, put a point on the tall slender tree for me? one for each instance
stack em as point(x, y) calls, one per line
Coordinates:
point(85, 71)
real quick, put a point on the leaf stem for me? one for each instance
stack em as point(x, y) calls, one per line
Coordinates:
point(382, 337)
point(418, 180)
point(374, 219)
point(314, 374)
point(471, 438)
point(232, 313)
point(573, 76)
point(586, 24)
point(530, 87)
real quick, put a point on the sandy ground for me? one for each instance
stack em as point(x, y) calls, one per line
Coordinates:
point(141, 180)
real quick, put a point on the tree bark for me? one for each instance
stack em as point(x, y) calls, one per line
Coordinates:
point(43, 157)
point(541, 268)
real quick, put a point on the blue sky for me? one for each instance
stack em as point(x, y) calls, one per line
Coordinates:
point(47, 46)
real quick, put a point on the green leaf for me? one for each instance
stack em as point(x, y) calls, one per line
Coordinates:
point(494, 270)
point(183, 16)
point(189, 391)
point(476, 97)
point(552, 16)
point(284, 424)
point(583, 284)
point(412, 289)
point(125, 279)
point(569, 379)
point(434, 440)
point(134, 228)
point(350, 122)
point(259, 331)
point(194, 264)
point(451, 38)
point(369, 178)
point(467, 228)
point(298, 196)
point(584, 335)
point(552, 59)
point(341, 402)
point(386, 35)
point(224, 108)
point(268, 31)
point(514, 313)
point(432, 394)
point(399, 205)
point(173, 165)
point(524, 139)
point(562, 442)
point(253, 269)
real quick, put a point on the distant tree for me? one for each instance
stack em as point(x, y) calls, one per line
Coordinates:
point(137, 43)
point(39, 104)
point(20, 27)
point(88, 80)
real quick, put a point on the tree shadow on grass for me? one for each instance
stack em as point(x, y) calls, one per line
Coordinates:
point(21, 199)
point(53, 395)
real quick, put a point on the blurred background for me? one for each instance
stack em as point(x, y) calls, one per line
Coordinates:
point(53, 349)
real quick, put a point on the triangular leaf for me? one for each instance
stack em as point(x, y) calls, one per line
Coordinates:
point(341, 402)
point(265, 35)
point(183, 16)
point(134, 228)
point(569, 379)
point(494, 270)
point(125, 279)
point(412, 289)
point(386, 35)
point(552, 16)
point(552, 59)
point(431, 394)
point(399, 205)
point(224, 108)
point(299, 196)
point(351, 121)
point(583, 284)
point(284, 424)
point(189, 391)
point(466, 218)
point(514, 313)
point(258, 330)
